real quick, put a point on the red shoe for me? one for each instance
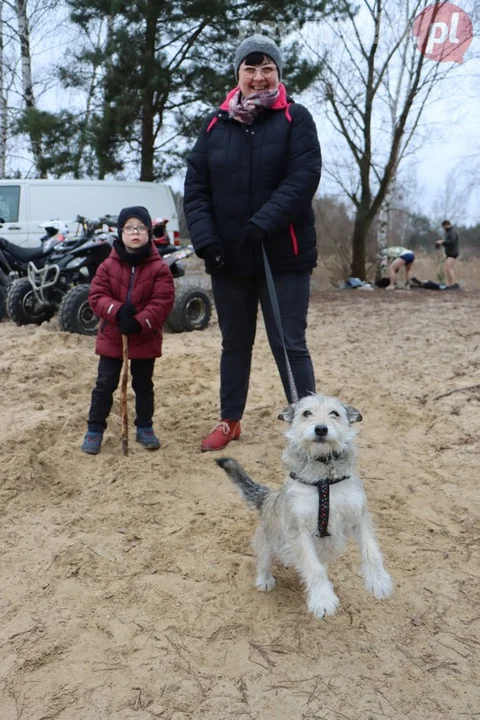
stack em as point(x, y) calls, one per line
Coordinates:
point(219, 438)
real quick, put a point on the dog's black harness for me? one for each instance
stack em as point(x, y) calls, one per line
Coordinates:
point(323, 486)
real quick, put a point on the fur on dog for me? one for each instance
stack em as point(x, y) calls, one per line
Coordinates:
point(320, 449)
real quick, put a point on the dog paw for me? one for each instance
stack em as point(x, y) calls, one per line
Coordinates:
point(381, 586)
point(323, 602)
point(265, 584)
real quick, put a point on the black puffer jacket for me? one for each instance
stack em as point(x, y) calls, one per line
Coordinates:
point(451, 243)
point(265, 173)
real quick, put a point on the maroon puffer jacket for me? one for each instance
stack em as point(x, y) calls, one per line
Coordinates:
point(152, 294)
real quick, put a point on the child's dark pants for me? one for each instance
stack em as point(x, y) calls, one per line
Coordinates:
point(109, 370)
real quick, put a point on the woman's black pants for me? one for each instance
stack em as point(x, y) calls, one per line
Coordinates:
point(236, 301)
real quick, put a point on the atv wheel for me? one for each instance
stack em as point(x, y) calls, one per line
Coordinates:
point(192, 310)
point(3, 302)
point(5, 280)
point(75, 314)
point(23, 307)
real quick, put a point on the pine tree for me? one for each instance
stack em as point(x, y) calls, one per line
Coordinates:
point(166, 62)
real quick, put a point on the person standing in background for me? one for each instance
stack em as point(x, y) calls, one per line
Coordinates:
point(451, 246)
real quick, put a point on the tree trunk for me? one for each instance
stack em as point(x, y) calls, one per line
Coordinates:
point(359, 242)
point(146, 172)
point(100, 150)
point(383, 232)
point(3, 103)
point(83, 140)
point(27, 82)
point(148, 110)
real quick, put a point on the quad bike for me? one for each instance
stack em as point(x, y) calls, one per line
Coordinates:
point(191, 311)
point(63, 281)
point(63, 285)
point(14, 259)
point(192, 308)
point(3, 301)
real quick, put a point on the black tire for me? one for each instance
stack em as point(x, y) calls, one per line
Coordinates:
point(192, 310)
point(23, 307)
point(5, 280)
point(3, 302)
point(75, 314)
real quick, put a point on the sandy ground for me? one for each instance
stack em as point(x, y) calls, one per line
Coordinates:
point(126, 584)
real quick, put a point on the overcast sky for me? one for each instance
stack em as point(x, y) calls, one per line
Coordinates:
point(451, 154)
point(449, 157)
point(453, 145)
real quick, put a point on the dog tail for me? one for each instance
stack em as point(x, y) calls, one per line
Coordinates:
point(253, 493)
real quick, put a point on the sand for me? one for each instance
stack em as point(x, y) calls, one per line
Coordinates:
point(126, 584)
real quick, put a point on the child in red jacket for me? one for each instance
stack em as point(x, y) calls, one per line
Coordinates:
point(132, 293)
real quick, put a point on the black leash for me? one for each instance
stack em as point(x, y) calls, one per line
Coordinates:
point(278, 319)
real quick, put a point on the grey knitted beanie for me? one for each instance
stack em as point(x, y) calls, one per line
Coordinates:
point(258, 44)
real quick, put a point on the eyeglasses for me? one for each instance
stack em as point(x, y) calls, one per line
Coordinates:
point(130, 229)
point(264, 70)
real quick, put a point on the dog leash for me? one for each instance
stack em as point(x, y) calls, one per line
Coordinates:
point(323, 487)
point(278, 320)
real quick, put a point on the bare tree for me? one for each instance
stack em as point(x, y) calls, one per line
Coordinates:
point(30, 25)
point(7, 82)
point(26, 73)
point(3, 101)
point(375, 86)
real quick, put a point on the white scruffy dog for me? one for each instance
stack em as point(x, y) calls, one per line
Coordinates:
point(322, 503)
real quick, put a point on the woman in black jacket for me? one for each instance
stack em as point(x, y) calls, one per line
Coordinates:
point(250, 181)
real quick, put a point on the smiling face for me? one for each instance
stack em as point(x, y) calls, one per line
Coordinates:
point(134, 234)
point(259, 77)
point(320, 424)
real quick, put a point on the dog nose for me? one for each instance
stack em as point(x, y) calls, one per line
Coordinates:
point(321, 430)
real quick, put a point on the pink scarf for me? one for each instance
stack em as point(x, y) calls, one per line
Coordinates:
point(246, 109)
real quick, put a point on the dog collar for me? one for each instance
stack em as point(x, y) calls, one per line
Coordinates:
point(323, 487)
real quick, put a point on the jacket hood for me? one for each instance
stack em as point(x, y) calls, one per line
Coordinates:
point(280, 103)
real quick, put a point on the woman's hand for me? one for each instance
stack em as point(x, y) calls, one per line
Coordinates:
point(214, 256)
point(252, 234)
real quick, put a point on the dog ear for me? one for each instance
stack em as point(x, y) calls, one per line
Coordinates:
point(353, 415)
point(287, 413)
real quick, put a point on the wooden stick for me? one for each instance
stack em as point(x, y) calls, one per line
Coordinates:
point(123, 400)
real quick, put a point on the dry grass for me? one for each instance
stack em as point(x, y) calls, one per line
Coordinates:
point(330, 273)
point(427, 266)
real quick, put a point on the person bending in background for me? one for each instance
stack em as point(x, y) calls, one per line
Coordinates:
point(396, 258)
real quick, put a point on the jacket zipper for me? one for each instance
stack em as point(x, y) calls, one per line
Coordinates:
point(130, 284)
point(291, 228)
point(129, 293)
point(250, 152)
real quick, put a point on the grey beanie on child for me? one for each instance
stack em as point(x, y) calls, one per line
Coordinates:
point(258, 44)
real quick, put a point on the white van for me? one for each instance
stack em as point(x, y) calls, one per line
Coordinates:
point(24, 204)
